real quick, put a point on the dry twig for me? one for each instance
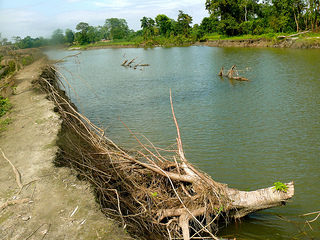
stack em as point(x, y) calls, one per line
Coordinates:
point(16, 201)
point(15, 170)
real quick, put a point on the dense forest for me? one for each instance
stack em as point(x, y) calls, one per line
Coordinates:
point(226, 18)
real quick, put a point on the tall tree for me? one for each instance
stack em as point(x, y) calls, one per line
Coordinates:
point(209, 24)
point(82, 35)
point(117, 28)
point(57, 37)
point(228, 13)
point(40, 41)
point(164, 24)
point(285, 15)
point(231, 13)
point(27, 42)
point(93, 34)
point(312, 14)
point(69, 38)
point(147, 24)
point(223, 9)
point(16, 39)
point(183, 23)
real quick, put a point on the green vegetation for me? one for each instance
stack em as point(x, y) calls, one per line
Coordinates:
point(280, 186)
point(5, 106)
point(228, 18)
point(4, 123)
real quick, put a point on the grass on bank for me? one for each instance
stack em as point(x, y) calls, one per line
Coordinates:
point(140, 41)
point(103, 44)
point(5, 106)
point(181, 40)
point(268, 36)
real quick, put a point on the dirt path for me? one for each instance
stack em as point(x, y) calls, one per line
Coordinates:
point(53, 203)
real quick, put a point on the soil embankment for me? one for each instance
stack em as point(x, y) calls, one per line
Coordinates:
point(280, 43)
point(53, 203)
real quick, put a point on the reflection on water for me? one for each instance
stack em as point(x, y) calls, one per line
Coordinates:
point(246, 134)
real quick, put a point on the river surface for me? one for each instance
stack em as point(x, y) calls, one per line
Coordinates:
point(246, 134)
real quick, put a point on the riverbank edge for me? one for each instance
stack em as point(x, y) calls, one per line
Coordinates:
point(295, 43)
point(53, 203)
point(289, 42)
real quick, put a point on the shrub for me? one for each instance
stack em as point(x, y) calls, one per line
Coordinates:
point(5, 105)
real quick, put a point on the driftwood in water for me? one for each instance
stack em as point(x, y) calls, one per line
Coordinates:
point(221, 71)
point(132, 61)
point(135, 66)
point(128, 64)
point(124, 62)
point(240, 78)
point(233, 73)
point(148, 191)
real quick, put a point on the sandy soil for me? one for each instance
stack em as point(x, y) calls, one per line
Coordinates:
point(53, 203)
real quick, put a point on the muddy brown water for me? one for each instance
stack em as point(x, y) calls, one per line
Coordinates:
point(246, 134)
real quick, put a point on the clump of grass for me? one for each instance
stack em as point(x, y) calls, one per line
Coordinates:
point(4, 123)
point(5, 106)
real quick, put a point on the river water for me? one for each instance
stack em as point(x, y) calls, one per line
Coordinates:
point(246, 134)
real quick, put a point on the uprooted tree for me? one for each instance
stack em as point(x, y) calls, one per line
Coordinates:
point(233, 73)
point(146, 190)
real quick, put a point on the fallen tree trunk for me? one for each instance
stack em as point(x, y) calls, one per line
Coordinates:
point(147, 192)
point(246, 202)
point(125, 61)
point(131, 61)
point(232, 74)
point(240, 78)
point(293, 35)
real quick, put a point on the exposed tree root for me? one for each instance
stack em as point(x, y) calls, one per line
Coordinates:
point(147, 190)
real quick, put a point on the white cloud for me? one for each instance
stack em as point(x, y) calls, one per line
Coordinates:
point(17, 19)
point(114, 4)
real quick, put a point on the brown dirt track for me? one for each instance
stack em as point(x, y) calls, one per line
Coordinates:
point(53, 203)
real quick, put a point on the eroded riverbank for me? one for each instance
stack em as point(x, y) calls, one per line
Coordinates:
point(295, 43)
point(53, 203)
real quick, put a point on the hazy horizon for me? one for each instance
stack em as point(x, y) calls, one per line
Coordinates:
point(38, 18)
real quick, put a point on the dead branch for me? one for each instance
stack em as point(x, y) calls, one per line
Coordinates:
point(221, 72)
point(233, 74)
point(15, 170)
point(131, 61)
point(125, 61)
point(35, 231)
point(307, 214)
point(128, 64)
point(135, 66)
point(293, 35)
point(73, 55)
point(16, 201)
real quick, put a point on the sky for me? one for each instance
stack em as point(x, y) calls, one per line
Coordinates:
point(37, 18)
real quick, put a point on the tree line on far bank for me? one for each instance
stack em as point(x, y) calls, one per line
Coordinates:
point(226, 17)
